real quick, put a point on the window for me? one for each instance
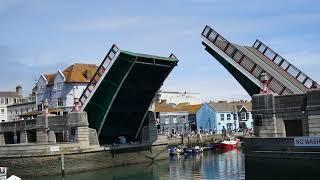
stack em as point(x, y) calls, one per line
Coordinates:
point(166, 121)
point(58, 86)
point(174, 120)
point(42, 89)
point(60, 102)
point(243, 116)
point(234, 116)
point(247, 116)
point(228, 116)
point(2, 101)
point(2, 111)
point(222, 117)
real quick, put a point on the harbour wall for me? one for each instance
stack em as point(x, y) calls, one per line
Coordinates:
point(45, 165)
point(27, 160)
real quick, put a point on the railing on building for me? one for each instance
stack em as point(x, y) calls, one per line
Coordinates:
point(97, 76)
point(243, 60)
point(284, 64)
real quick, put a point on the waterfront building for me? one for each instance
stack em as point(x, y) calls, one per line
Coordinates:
point(25, 106)
point(63, 87)
point(23, 110)
point(179, 97)
point(192, 114)
point(176, 119)
point(174, 122)
point(230, 115)
point(8, 98)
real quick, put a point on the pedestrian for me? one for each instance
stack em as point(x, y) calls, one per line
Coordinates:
point(224, 132)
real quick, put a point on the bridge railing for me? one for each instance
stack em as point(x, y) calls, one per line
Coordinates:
point(284, 64)
point(100, 71)
point(243, 60)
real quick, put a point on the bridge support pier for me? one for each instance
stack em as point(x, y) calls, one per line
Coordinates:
point(23, 136)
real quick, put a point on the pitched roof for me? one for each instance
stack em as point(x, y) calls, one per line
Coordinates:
point(9, 94)
point(192, 108)
point(165, 108)
point(230, 106)
point(50, 78)
point(180, 108)
point(75, 73)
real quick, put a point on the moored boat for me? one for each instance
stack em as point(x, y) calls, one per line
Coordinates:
point(227, 144)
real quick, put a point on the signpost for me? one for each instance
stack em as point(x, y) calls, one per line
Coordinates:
point(307, 141)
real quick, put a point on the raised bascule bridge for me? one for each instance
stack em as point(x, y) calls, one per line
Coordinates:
point(246, 64)
point(118, 97)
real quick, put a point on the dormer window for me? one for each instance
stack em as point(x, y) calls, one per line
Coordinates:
point(58, 86)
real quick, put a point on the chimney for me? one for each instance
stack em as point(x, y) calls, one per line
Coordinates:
point(19, 90)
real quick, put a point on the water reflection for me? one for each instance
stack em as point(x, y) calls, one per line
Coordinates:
point(209, 165)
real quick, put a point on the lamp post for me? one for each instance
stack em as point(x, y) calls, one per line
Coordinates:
point(264, 84)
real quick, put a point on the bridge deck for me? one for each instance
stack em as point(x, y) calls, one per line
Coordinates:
point(248, 63)
point(283, 73)
point(120, 94)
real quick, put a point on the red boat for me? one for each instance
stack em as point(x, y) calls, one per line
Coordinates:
point(227, 144)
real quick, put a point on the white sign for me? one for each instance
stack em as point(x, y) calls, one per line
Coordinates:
point(307, 141)
point(54, 148)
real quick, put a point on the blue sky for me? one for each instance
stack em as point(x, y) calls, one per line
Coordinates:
point(41, 36)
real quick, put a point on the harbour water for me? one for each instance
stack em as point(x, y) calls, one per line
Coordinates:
point(208, 165)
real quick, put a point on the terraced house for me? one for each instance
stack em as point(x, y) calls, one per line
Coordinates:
point(61, 89)
point(230, 115)
point(8, 98)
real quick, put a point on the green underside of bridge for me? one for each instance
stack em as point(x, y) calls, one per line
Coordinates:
point(244, 81)
point(121, 101)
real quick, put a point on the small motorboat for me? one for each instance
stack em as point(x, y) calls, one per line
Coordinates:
point(176, 151)
point(208, 147)
point(198, 149)
point(227, 144)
